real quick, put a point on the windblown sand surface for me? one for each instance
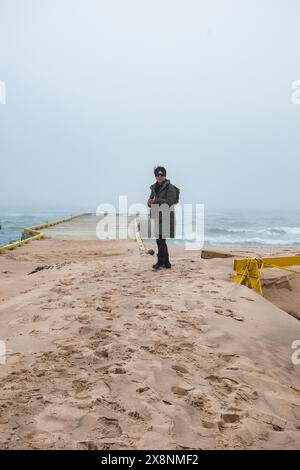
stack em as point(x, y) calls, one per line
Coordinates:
point(104, 353)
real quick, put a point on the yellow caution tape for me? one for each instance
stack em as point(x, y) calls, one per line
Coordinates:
point(250, 273)
point(249, 269)
point(138, 236)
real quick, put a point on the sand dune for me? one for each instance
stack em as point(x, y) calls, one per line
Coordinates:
point(104, 353)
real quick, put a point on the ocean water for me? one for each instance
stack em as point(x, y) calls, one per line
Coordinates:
point(252, 228)
point(13, 221)
point(249, 228)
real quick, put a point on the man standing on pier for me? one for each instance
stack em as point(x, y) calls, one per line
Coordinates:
point(163, 193)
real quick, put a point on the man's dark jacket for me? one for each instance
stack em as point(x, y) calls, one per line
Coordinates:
point(165, 193)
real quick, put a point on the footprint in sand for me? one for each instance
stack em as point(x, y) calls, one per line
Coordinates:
point(192, 305)
point(135, 415)
point(81, 385)
point(180, 391)
point(229, 420)
point(104, 308)
point(108, 427)
point(148, 394)
point(240, 392)
point(231, 359)
point(146, 316)
point(277, 423)
point(84, 318)
point(37, 318)
point(206, 405)
point(87, 445)
point(116, 369)
point(245, 393)
point(85, 330)
point(162, 307)
point(180, 369)
point(229, 313)
point(39, 333)
point(198, 399)
point(195, 323)
point(185, 345)
point(69, 317)
point(224, 385)
point(234, 315)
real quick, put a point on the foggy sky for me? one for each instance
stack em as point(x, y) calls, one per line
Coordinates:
point(99, 92)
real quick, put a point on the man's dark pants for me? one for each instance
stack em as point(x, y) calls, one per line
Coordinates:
point(163, 254)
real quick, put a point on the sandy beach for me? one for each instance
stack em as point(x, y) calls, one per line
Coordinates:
point(104, 353)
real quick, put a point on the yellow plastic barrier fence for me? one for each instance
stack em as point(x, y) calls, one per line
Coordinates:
point(249, 269)
point(35, 233)
point(138, 236)
point(142, 248)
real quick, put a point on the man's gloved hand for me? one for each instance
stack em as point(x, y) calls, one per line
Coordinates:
point(151, 200)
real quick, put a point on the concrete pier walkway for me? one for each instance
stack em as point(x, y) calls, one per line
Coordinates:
point(85, 227)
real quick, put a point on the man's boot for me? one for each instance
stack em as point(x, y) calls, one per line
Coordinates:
point(159, 264)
